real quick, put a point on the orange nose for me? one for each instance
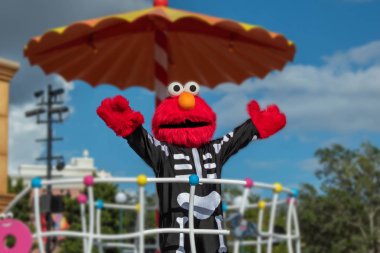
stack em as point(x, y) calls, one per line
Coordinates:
point(186, 101)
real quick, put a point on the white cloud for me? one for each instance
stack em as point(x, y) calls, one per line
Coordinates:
point(24, 131)
point(359, 56)
point(68, 87)
point(341, 95)
point(310, 164)
point(229, 107)
point(22, 134)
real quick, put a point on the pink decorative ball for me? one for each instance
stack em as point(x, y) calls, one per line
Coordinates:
point(290, 199)
point(82, 199)
point(88, 180)
point(248, 183)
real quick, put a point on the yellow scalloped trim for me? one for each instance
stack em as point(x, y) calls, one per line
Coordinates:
point(171, 14)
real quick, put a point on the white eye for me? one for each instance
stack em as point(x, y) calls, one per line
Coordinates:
point(175, 89)
point(192, 87)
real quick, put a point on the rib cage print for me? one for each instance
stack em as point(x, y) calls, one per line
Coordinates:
point(204, 164)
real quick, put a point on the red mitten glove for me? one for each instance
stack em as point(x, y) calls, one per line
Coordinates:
point(268, 121)
point(118, 116)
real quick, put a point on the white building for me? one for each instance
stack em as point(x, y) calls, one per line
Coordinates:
point(78, 167)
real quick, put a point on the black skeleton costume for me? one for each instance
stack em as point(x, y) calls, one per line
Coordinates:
point(207, 161)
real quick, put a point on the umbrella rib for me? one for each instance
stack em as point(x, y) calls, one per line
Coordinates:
point(59, 60)
point(98, 35)
point(212, 65)
point(186, 62)
point(221, 32)
point(233, 65)
point(117, 65)
point(137, 68)
point(277, 62)
point(89, 72)
point(247, 62)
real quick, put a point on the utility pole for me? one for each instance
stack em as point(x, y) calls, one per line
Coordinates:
point(51, 104)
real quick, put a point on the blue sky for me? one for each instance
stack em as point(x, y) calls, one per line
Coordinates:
point(329, 93)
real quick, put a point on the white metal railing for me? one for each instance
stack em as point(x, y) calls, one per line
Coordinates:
point(91, 229)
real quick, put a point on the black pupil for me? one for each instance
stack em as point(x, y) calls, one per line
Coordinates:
point(176, 88)
point(193, 88)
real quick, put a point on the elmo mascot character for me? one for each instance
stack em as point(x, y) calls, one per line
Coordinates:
point(181, 145)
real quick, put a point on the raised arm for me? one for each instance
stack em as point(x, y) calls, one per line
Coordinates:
point(125, 122)
point(261, 125)
point(119, 116)
point(268, 121)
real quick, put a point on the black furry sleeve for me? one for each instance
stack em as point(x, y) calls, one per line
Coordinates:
point(232, 142)
point(147, 147)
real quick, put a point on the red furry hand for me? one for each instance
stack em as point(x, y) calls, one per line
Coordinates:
point(118, 116)
point(267, 121)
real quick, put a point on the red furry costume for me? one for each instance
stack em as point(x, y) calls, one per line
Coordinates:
point(183, 126)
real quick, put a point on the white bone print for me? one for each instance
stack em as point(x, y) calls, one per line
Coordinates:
point(197, 162)
point(204, 207)
point(207, 156)
point(212, 176)
point(157, 143)
point(183, 167)
point(181, 156)
point(222, 246)
point(181, 221)
point(218, 146)
point(209, 166)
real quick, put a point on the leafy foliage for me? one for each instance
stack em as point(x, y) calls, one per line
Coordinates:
point(251, 215)
point(113, 221)
point(22, 209)
point(344, 215)
point(105, 192)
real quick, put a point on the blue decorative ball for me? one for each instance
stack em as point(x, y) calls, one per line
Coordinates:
point(36, 182)
point(224, 207)
point(193, 179)
point(295, 193)
point(99, 204)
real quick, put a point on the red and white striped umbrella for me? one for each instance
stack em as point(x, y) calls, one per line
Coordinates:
point(155, 46)
point(161, 65)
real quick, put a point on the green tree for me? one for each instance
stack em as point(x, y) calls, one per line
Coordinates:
point(343, 216)
point(105, 192)
point(110, 219)
point(231, 192)
point(22, 210)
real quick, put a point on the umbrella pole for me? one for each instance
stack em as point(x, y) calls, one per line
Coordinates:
point(161, 65)
point(161, 79)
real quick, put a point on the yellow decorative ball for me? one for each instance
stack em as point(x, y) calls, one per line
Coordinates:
point(137, 207)
point(142, 180)
point(277, 188)
point(262, 204)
